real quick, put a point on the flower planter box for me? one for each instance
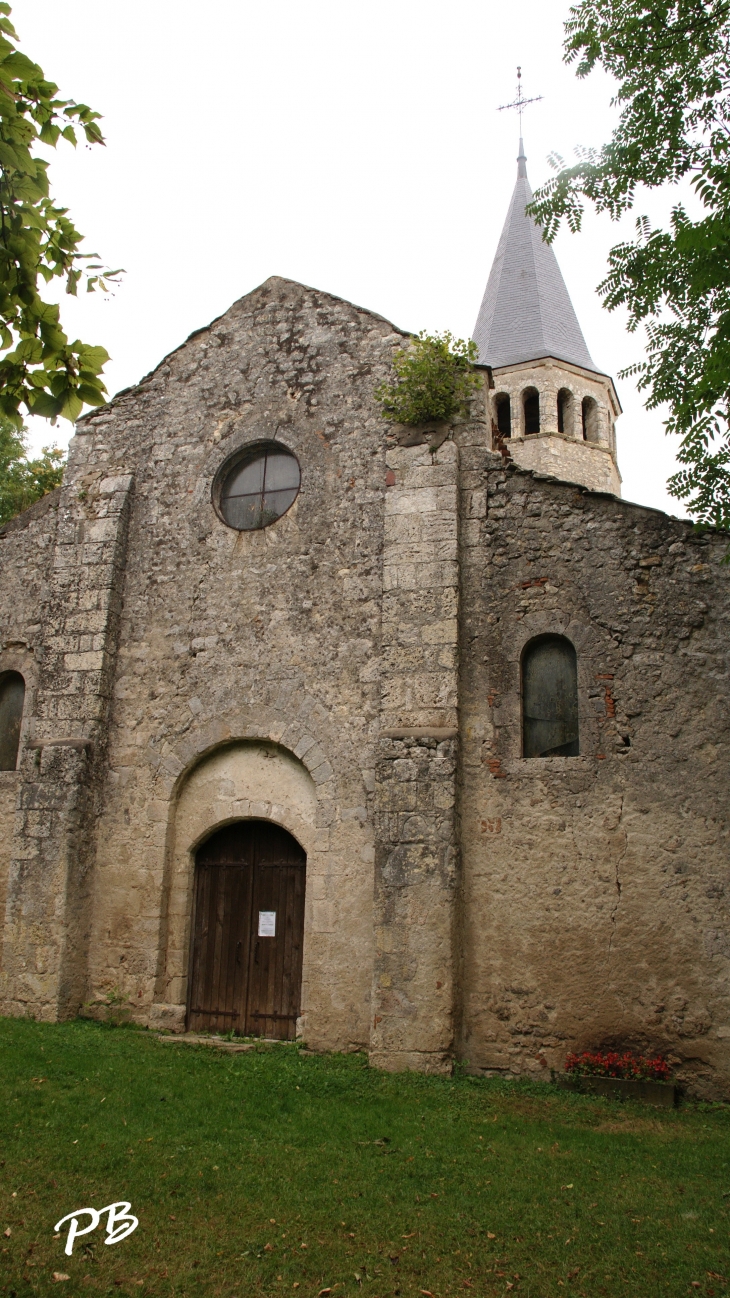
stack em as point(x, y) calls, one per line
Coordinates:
point(662, 1094)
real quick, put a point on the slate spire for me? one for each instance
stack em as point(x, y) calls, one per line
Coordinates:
point(526, 312)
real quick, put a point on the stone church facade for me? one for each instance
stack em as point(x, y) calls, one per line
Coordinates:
point(181, 695)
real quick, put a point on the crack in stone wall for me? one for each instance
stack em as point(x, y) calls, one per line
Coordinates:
point(619, 863)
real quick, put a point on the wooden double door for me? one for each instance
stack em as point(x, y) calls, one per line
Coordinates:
point(248, 929)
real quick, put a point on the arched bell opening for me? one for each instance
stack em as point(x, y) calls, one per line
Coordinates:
point(248, 932)
point(565, 412)
point(12, 701)
point(504, 414)
point(589, 411)
point(531, 410)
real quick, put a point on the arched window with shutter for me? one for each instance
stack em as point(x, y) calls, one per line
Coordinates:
point(12, 698)
point(550, 698)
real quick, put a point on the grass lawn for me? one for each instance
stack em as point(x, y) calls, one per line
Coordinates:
point(278, 1173)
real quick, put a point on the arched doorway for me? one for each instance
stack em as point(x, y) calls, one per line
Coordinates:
point(248, 929)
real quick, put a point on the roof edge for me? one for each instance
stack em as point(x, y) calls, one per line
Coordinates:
point(272, 280)
point(31, 512)
point(618, 500)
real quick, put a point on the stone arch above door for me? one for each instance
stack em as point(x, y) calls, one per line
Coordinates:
point(304, 736)
point(238, 781)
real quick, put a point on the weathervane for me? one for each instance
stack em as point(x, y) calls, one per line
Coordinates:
point(519, 102)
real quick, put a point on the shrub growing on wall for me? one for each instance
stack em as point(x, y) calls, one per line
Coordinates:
point(435, 380)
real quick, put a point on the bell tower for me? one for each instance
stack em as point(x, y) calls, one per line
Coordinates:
point(550, 405)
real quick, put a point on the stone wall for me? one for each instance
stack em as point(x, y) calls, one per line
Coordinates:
point(63, 752)
point(561, 457)
point(595, 888)
point(416, 859)
point(26, 544)
point(230, 637)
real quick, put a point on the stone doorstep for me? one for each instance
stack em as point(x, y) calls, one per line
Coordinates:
point(229, 1047)
point(189, 1039)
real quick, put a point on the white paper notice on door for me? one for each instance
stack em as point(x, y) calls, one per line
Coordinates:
point(267, 923)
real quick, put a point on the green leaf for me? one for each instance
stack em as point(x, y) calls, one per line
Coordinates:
point(11, 158)
point(41, 403)
point(72, 407)
point(92, 396)
point(20, 67)
point(49, 133)
point(92, 358)
point(436, 380)
point(29, 351)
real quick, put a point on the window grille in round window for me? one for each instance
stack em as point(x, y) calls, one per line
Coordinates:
point(260, 488)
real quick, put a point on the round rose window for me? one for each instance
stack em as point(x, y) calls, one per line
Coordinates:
point(260, 487)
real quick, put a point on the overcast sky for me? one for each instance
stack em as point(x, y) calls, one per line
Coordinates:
point(353, 147)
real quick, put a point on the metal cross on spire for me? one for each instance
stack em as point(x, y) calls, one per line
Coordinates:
point(519, 102)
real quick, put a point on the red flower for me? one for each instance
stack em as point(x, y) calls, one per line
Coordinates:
point(591, 1063)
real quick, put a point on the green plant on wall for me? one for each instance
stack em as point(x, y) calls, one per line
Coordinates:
point(436, 379)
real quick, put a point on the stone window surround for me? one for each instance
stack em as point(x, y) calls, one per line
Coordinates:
point(235, 457)
point(508, 712)
point(528, 394)
point(567, 410)
point(19, 658)
point(240, 441)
